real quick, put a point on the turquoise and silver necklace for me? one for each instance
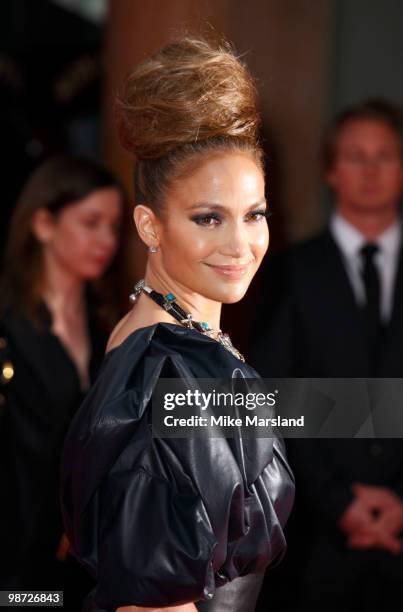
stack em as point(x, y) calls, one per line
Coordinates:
point(169, 303)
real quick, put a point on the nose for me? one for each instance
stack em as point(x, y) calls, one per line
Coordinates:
point(237, 241)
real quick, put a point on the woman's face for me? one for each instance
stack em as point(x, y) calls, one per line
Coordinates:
point(213, 233)
point(83, 237)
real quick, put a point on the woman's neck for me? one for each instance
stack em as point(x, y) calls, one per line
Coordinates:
point(201, 308)
point(63, 292)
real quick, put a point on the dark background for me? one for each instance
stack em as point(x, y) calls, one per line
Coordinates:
point(62, 62)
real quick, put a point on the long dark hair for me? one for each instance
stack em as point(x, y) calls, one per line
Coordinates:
point(55, 184)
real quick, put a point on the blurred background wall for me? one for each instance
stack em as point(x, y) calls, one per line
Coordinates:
point(62, 61)
point(367, 51)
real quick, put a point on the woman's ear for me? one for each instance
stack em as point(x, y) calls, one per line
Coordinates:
point(42, 225)
point(147, 225)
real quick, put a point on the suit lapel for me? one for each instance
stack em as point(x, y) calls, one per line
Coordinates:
point(342, 292)
point(341, 314)
point(334, 269)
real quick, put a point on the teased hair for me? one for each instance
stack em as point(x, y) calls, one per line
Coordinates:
point(188, 99)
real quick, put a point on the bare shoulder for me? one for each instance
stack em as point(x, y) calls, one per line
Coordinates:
point(144, 313)
point(120, 331)
point(133, 320)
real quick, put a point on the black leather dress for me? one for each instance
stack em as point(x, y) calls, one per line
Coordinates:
point(164, 521)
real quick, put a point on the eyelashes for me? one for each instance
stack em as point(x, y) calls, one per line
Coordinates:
point(212, 219)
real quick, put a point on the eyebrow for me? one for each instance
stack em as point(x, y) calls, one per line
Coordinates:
point(212, 206)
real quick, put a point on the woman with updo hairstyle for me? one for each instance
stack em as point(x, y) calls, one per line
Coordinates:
point(191, 523)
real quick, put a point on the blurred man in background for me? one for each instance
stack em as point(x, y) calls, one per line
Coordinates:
point(341, 315)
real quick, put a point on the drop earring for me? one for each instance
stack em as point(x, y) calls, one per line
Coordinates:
point(152, 249)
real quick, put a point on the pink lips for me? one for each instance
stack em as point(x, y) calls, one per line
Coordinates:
point(231, 271)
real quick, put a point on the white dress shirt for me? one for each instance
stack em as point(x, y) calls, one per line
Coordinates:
point(350, 241)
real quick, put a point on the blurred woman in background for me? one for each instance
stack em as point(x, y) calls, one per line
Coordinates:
point(55, 320)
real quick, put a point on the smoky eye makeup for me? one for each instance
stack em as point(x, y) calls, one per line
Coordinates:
point(209, 219)
point(261, 212)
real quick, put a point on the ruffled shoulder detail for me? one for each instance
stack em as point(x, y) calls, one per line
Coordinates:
point(163, 521)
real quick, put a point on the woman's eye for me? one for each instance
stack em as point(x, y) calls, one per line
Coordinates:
point(210, 220)
point(258, 215)
point(90, 223)
point(206, 220)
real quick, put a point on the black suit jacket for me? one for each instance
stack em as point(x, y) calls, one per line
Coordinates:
point(316, 330)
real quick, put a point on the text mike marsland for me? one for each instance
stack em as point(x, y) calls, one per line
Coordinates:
point(229, 421)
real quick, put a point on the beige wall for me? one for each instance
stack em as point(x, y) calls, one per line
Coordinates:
point(287, 50)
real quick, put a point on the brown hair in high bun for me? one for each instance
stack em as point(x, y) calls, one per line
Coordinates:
point(189, 99)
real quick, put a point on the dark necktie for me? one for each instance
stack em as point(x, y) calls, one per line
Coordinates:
point(372, 292)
